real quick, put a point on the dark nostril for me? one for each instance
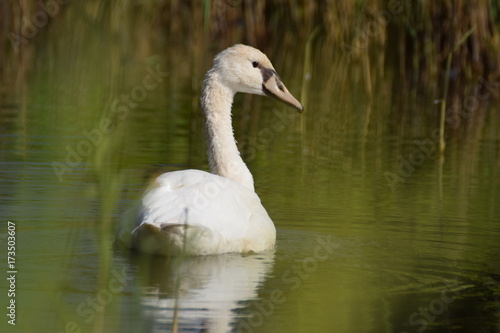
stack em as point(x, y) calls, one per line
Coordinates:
point(280, 86)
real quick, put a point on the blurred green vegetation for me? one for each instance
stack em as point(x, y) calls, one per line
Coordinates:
point(415, 37)
point(412, 51)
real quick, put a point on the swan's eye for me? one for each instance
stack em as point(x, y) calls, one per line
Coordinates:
point(255, 64)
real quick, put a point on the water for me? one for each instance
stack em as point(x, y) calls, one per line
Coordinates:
point(376, 232)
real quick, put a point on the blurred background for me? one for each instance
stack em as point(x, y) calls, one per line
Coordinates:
point(394, 163)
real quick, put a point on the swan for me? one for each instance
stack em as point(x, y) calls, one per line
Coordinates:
point(194, 212)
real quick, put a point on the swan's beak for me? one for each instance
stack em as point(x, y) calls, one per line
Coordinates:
point(275, 88)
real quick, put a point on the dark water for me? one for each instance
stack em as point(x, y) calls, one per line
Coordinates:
point(376, 232)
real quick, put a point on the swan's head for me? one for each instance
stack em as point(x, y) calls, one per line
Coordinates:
point(248, 70)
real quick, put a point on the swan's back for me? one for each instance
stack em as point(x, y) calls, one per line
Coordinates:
point(196, 212)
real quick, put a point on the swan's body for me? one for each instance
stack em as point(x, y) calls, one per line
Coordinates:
point(197, 212)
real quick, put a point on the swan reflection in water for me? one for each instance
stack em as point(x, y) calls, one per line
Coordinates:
point(200, 293)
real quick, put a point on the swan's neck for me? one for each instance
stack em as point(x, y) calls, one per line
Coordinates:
point(223, 155)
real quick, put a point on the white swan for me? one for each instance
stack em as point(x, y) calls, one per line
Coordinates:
point(197, 212)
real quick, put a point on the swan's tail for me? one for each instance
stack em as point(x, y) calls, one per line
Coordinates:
point(164, 239)
point(169, 238)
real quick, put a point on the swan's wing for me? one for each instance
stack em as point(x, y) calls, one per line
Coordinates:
point(221, 214)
